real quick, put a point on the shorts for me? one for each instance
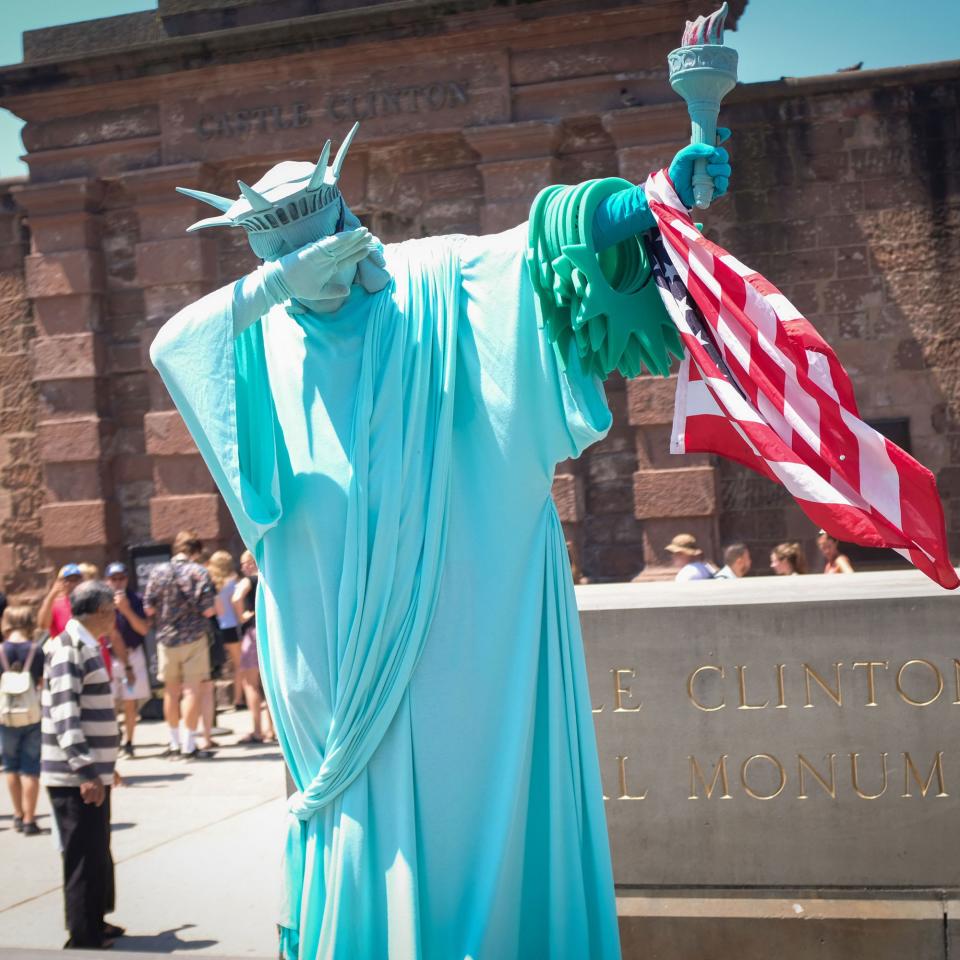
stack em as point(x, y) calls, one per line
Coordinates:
point(21, 750)
point(141, 682)
point(184, 663)
point(230, 635)
point(248, 649)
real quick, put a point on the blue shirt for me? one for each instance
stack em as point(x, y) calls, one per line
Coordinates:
point(228, 618)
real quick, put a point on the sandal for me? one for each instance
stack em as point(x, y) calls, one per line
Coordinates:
point(250, 738)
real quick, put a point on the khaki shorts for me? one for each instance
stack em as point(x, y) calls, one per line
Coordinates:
point(185, 663)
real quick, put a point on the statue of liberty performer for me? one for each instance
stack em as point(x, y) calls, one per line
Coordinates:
point(384, 424)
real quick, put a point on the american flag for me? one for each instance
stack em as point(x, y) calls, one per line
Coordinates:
point(759, 385)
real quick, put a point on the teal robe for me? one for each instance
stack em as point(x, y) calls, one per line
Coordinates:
point(390, 467)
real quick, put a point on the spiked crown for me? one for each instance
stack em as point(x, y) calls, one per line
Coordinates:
point(292, 204)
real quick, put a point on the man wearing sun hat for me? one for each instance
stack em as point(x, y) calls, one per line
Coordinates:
point(689, 558)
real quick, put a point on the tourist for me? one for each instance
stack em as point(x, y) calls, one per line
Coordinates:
point(180, 597)
point(836, 562)
point(54, 609)
point(78, 760)
point(21, 671)
point(217, 657)
point(736, 562)
point(130, 670)
point(223, 573)
point(688, 557)
point(787, 559)
point(244, 604)
point(90, 571)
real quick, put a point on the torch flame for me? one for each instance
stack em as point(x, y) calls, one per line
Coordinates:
point(705, 29)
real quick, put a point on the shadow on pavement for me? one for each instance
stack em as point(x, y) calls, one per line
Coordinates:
point(140, 779)
point(242, 755)
point(167, 941)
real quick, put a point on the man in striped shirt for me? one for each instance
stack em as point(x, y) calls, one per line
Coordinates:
point(78, 755)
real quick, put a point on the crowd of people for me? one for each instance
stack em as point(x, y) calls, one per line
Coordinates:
point(76, 672)
point(786, 559)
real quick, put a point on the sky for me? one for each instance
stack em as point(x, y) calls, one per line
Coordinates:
point(829, 34)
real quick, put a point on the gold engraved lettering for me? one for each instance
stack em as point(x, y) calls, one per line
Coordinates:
point(624, 793)
point(830, 788)
point(871, 680)
point(742, 680)
point(743, 776)
point(910, 700)
point(910, 770)
point(619, 691)
point(835, 695)
point(719, 773)
point(781, 699)
point(690, 681)
point(855, 777)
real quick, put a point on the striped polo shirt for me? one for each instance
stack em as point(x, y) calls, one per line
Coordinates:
point(79, 725)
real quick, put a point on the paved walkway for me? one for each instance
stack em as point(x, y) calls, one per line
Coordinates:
point(196, 846)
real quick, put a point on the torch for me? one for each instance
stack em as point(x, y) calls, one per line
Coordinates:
point(703, 71)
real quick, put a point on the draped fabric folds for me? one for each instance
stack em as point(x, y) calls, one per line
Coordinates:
point(396, 526)
point(390, 467)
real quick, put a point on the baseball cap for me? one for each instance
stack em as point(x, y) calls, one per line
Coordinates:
point(116, 569)
point(70, 570)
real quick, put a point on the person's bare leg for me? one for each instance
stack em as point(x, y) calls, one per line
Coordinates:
point(233, 650)
point(191, 705)
point(271, 732)
point(206, 713)
point(31, 790)
point(16, 794)
point(171, 713)
point(251, 688)
point(171, 704)
point(129, 719)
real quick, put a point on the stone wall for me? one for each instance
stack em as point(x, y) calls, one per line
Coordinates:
point(848, 196)
point(845, 194)
point(20, 481)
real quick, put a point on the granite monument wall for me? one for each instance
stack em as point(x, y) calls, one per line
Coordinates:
point(779, 764)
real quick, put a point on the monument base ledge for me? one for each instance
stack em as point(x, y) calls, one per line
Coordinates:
point(884, 585)
point(761, 924)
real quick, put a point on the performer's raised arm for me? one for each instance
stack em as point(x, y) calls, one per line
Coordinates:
point(318, 274)
point(627, 213)
point(589, 267)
